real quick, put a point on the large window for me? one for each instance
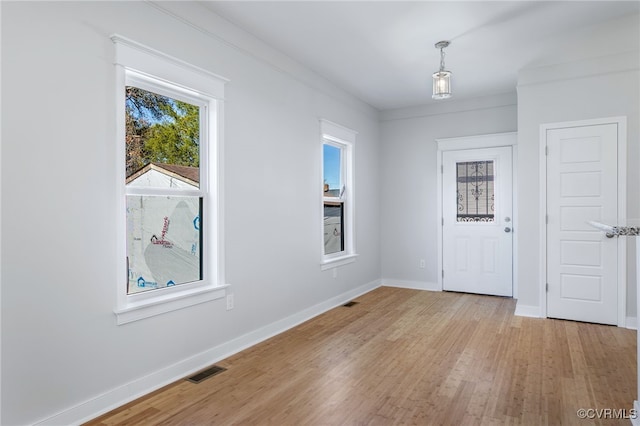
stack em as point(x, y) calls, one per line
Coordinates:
point(168, 142)
point(164, 135)
point(337, 195)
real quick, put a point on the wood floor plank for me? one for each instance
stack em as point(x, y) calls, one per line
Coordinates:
point(404, 356)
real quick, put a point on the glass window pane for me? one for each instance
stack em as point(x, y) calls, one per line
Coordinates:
point(162, 141)
point(333, 228)
point(164, 241)
point(475, 191)
point(332, 172)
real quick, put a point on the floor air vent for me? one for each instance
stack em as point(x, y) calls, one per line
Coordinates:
point(205, 374)
point(350, 304)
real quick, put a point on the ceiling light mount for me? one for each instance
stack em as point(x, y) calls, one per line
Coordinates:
point(442, 44)
point(442, 78)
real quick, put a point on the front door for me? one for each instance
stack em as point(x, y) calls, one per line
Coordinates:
point(582, 282)
point(477, 231)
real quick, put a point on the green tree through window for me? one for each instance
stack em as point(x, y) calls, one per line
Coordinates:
point(160, 129)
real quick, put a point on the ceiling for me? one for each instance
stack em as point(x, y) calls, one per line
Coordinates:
point(383, 51)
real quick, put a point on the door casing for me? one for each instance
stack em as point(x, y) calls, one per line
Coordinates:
point(622, 208)
point(476, 142)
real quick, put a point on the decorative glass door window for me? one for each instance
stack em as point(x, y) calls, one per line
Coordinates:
point(164, 196)
point(475, 191)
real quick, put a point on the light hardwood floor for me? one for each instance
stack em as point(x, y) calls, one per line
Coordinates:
point(410, 357)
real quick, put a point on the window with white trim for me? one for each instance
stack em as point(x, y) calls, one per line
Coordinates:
point(337, 195)
point(168, 139)
point(166, 130)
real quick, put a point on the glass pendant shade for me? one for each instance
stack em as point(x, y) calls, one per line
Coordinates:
point(441, 84)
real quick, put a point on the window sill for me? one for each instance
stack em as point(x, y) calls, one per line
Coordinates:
point(167, 303)
point(337, 261)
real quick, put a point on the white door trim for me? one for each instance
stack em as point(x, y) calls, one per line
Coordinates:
point(475, 142)
point(622, 207)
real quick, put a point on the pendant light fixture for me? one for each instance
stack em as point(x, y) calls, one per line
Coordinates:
point(442, 78)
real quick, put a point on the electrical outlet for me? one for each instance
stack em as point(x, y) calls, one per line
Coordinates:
point(229, 302)
point(422, 264)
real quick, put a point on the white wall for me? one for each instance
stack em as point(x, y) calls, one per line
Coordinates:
point(590, 88)
point(409, 219)
point(63, 357)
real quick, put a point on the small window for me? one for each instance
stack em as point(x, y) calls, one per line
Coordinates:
point(334, 189)
point(337, 195)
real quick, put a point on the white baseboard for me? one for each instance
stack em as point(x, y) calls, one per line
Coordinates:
point(527, 311)
point(416, 285)
point(534, 312)
point(128, 392)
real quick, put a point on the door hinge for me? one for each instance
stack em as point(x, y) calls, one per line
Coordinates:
point(443, 273)
point(546, 150)
point(442, 168)
point(443, 221)
point(547, 287)
point(546, 219)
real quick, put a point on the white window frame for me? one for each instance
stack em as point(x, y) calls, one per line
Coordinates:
point(343, 138)
point(152, 70)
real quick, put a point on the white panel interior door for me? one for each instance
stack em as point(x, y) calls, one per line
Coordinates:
point(582, 185)
point(477, 240)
